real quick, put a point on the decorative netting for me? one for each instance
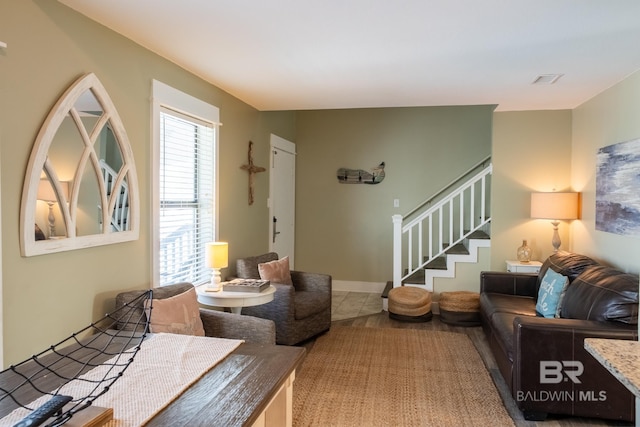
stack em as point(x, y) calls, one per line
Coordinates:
point(102, 344)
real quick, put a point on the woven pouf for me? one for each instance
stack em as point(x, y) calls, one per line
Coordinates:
point(460, 308)
point(410, 304)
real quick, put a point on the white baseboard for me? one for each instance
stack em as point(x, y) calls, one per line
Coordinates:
point(354, 286)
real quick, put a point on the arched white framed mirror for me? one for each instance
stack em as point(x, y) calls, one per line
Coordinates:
point(80, 188)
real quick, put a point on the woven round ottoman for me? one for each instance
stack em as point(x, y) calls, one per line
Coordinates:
point(460, 308)
point(410, 304)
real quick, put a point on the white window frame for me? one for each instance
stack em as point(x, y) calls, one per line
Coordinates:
point(166, 96)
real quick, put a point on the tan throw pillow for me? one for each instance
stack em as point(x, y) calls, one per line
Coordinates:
point(276, 271)
point(179, 314)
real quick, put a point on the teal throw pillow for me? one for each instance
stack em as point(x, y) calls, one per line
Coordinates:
point(550, 294)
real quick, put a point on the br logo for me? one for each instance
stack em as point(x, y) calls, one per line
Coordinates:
point(554, 372)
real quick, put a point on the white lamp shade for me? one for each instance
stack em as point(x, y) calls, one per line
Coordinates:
point(554, 205)
point(217, 254)
point(48, 194)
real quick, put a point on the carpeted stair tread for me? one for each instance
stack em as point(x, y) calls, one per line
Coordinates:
point(479, 234)
point(439, 263)
point(416, 277)
point(458, 249)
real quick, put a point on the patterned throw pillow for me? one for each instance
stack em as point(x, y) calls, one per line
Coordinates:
point(276, 271)
point(550, 294)
point(179, 314)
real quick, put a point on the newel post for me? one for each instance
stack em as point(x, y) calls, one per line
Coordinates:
point(397, 250)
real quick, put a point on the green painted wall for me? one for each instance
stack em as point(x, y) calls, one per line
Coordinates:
point(45, 298)
point(543, 150)
point(606, 119)
point(345, 229)
point(531, 152)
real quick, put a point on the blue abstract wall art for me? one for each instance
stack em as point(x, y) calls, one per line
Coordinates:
point(618, 188)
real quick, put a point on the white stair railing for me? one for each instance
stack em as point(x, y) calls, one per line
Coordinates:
point(118, 198)
point(441, 222)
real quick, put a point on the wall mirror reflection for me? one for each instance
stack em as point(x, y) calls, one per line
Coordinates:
point(80, 188)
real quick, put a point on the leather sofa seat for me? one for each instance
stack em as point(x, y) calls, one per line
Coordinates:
point(599, 302)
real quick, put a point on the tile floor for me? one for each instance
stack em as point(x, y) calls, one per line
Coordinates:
point(346, 305)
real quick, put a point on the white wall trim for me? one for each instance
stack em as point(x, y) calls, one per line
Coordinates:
point(166, 96)
point(354, 286)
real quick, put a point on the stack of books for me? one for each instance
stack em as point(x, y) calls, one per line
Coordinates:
point(245, 285)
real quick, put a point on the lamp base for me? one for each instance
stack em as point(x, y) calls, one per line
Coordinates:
point(216, 281)
point(555, 241)
point(52, 221)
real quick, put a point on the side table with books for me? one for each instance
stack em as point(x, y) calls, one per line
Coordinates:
point(236, 294)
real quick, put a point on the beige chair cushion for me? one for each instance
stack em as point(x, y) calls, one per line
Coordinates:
point(179, 314)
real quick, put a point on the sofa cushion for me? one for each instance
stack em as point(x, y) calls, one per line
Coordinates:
point(502, 329)
point(491, 303)
point(551, 291)
point(566, 263)
point(603, 294)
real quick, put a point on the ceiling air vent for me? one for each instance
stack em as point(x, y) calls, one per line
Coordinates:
point(546, 79)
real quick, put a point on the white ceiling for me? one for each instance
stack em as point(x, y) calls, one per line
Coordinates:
point(318, 54)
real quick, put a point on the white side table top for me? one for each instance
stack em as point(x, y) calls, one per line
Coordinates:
point(524, 264)
point(234, 300)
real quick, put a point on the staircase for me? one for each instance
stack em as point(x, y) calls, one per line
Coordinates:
point(117, 197)
point(448, 228)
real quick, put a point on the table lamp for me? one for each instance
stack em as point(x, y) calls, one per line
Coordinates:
point(554, 206)
point(217, 257)
point(47, 194)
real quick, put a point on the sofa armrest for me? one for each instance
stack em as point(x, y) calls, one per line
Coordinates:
point(500, 282)
point(314, 282)
point(236, 326)
point(553, 372)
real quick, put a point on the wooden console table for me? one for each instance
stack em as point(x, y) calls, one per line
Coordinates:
point(252, 387)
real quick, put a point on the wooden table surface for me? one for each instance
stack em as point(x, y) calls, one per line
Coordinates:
point(236, 391)
point(233, 393)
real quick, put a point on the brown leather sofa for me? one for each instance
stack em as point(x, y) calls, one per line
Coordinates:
point(543, 360)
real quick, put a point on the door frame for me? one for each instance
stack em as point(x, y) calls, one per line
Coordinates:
point(290, 147)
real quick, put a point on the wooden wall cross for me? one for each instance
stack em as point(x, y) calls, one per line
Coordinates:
point(252, 170)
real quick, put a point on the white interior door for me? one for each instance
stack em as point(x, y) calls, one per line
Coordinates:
point(282, 174)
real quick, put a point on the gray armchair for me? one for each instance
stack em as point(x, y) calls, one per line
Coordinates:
point(300, 311)
point(216, 323)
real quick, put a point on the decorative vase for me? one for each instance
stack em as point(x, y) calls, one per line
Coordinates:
point(524, 252)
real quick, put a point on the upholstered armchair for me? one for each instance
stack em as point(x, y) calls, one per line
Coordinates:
point(216, 323)
point(300, 311)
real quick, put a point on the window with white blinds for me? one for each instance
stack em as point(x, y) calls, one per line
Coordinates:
point(186, 187)
point(183, 186)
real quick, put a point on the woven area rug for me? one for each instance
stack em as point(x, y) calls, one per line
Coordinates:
point(395, 377)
